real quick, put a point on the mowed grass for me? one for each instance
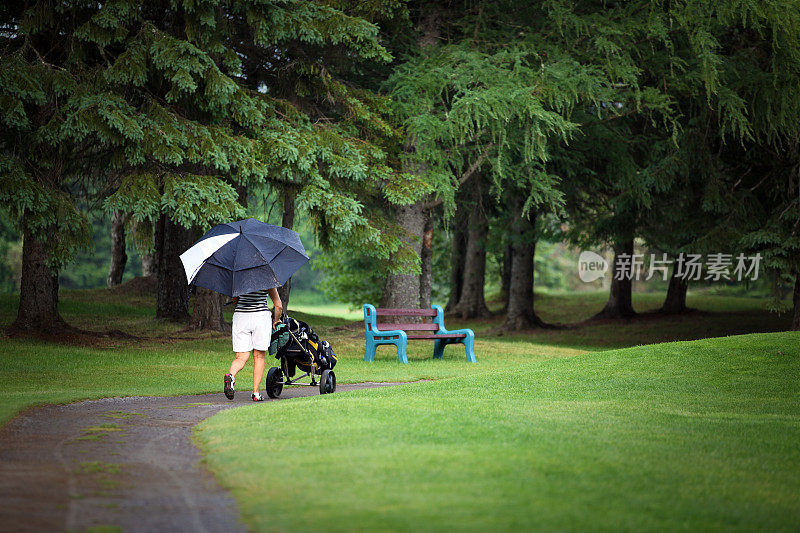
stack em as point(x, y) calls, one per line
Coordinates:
point(164, 359)
point(543, 432)
point(692, 435)
point(39, 372)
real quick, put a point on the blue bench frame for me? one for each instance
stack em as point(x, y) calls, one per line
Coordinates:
point(399, 338)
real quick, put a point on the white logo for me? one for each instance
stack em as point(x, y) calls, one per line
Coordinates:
point(718, 266)
point(591, 266)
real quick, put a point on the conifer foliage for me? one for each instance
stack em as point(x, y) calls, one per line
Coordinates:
point(164, 108)
point(595, 107)
point(614, 118)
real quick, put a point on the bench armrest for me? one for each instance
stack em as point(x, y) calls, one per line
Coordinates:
point(439, 319)
point(457, 331)
point(369, 317)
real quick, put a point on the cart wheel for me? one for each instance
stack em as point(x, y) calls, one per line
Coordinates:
point(327, 383)
point(274, 382)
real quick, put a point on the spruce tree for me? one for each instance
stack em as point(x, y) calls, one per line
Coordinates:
point(164, 109)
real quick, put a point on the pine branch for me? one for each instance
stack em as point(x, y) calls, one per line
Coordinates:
point(465, 176)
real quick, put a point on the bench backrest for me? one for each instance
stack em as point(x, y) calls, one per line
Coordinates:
point(371, 315)
point(382, 311)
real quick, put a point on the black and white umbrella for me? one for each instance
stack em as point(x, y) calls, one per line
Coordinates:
point(244, 256)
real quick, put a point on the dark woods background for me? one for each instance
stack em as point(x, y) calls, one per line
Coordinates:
point(457, 152)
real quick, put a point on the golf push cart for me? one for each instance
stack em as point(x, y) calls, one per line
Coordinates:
point(296, 345)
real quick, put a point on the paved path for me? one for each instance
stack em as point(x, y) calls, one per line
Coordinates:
point(126, 462)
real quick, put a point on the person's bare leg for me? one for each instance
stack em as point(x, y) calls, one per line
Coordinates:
point(241, 359)
point(258, 368)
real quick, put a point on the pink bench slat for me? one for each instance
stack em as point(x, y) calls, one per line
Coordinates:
point(408, 327)
point(404, 312)
point(442, 336)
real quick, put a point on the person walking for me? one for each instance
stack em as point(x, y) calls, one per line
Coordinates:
point(251, 331)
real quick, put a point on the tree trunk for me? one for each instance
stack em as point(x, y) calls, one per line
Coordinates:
point(505, 276)
point(458, 253)
point(173, 290)
point(402, 290)
point(207, 306)
point(289, 196)
point(158, 243)
point(620, 298)
point(149, 265)
point(520, 313)
point(471, 302)
point(426, 266)
point(119, 257)
point(148, 257)
point(38, 291)
point(675, 302)
point(207, 311)
point(796, 300)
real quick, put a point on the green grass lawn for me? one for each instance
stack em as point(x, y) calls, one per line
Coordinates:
point(690, 435)
point(545, 431)
point(165, 360)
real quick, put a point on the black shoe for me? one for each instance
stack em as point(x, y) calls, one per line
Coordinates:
point(258, 397)
point(229, 386)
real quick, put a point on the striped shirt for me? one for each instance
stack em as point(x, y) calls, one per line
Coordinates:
point(252, 302)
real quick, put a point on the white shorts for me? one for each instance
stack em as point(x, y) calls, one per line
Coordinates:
point(251, 331)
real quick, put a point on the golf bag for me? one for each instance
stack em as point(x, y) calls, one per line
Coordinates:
point(302, 348)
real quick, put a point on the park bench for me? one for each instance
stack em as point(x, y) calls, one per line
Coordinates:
point(399, 334)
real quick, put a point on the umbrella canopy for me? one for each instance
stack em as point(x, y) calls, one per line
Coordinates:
point(244, 256)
